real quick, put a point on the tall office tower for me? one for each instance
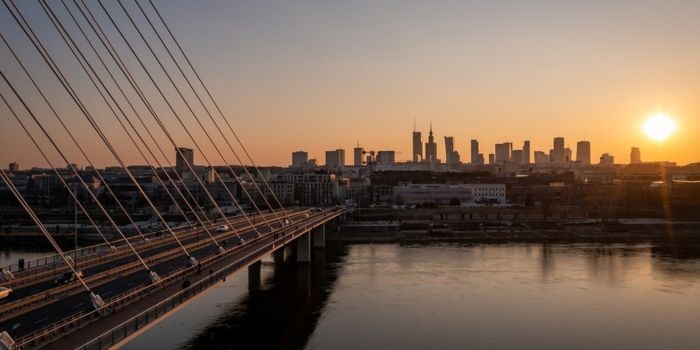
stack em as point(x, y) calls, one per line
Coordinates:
point(503, 151)
point(357, 153)
point(431, 147)
point(335, 159)
point(386, 157)
point(474, 152)
point(300, 159)
point(635, 156)
point(182, 158)
point(541, 157)
point(449, 150)
point(558, 153)
point(568, 154)
point(13, 167)
point(526, 152)
point(479, 159)
point(583, 152)
point(517, 156)
point(417, 146)
point(607, 159)
point(492, 158)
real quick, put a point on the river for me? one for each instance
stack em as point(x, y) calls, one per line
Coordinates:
point(453, 296)
point(448, 296)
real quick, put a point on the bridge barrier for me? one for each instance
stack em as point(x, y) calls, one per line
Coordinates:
point(77, 321)
point(132, 325)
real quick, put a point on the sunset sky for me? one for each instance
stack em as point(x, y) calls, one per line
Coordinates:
point(322, 75)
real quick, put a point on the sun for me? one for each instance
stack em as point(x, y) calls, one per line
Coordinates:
point(659, 127)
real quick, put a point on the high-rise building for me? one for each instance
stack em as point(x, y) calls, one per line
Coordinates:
point(417, 146)
point(503, 151)
point(517, 156)
point(475, 152)
point(607, 159)
point(357, 155)
point(479, 159)
point(635, 156)
point(335, 159)
point(558, 153)
point(386, 157)
point(451, 156)
point(183, 157)
point(300, 159)
point(583, 152)
point(526, 152)
point(492, 158)
point(541, 157)
point(431, 147)
point(13, 167)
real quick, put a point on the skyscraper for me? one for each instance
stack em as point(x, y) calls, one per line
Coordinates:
point(431, 147)
point(526, 152)
point(417, 145)
point(558, 153)
point(449, 150)
point(607, 159)
point(583, 152)
point(335, 159)
point(635, 156)
point(300, 159)
point(474, 152)
point(386, 157)
point(357, 155)
point(183, 156)
point(503, 152)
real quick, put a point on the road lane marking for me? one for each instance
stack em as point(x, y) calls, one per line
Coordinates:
point(41, 320)
point(78, 305)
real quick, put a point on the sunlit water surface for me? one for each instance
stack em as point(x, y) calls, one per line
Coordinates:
point(450, 296)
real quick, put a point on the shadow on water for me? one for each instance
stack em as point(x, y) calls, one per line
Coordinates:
point(283, 313)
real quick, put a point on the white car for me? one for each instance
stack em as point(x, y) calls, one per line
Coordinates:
point(222, 228)
point(5, 292)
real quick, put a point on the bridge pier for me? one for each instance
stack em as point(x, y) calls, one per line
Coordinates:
point(320, 236)
point(254, 276)
point(278, 256)
point(304, 249)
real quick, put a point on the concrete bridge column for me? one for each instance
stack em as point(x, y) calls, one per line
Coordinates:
point(278, 256)
point(304, 249)
point(254, 276)
point(320, 236)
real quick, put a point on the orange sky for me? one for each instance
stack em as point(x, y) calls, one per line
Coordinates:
point(325, 76)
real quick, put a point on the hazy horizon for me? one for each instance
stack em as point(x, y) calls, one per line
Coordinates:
point(319, 76)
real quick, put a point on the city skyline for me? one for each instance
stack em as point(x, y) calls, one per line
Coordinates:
point(456, 70)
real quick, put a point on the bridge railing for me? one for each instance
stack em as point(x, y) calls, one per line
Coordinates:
point(132, 325)
point(63, 327)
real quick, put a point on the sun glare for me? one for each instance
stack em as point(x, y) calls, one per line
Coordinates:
point(659, 127)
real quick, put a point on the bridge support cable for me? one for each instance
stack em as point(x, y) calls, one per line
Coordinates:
point(106, 42)
point(29, 32)
point(209, 114)
point(75, 172)
point(177, 116)
point(96, 300)
point(113, 101)
point(63, 181)
point(124, 115)
point(216, 174)
point(74, 96)
point(221, 113)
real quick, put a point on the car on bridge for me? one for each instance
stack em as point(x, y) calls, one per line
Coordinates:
point(67, 277)
point(222, 228)
point(5, 292)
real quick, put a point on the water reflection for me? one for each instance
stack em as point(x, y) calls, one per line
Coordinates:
point(283, 313)
point(481, 296)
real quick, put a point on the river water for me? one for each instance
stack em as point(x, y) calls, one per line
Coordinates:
point(453, 296)
point(450, 296)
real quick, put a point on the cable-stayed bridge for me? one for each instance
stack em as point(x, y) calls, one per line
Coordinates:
point(117, 68)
